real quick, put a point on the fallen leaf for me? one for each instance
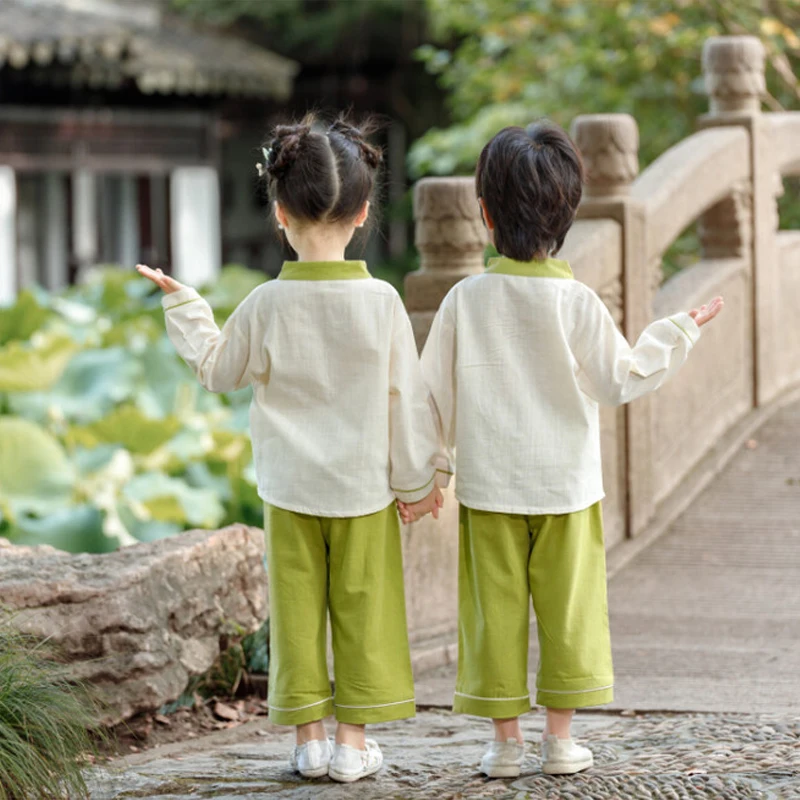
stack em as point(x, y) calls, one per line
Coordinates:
point(224, 711)
point(162, 720)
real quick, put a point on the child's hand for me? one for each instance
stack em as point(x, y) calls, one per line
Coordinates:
point(164, 282)
point(707, 313)
point(430, 504)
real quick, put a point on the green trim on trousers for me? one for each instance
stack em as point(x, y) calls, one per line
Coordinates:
point(559, 561)
point(352, 567)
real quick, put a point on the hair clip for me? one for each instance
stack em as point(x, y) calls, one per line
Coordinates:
point(261, 169)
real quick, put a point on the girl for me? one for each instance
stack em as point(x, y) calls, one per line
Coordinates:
point(518, 360)
point(341, 428)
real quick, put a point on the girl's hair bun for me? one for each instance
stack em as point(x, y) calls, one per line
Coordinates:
point(321, 172)
point(285, 148)
point(372, 156)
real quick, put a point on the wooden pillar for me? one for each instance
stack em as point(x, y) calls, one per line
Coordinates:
point(29, 222)
point(84, 218)
point(128, 221)
point(609, 144)
point(733, 68)
point(196, 226)
point(451, 240)
point(8, 235)
point(398, 228)
point(53, 231)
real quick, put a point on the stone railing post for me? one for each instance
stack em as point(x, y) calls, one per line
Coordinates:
point(609, 144)
point(450, 238)
point(745, 224)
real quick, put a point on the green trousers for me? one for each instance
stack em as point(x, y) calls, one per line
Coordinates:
point(354, 568)
point(559, 561)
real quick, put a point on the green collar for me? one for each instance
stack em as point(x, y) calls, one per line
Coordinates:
point(549, 268)
point(323, 271)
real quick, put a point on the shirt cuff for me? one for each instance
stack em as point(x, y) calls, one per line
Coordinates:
point(687, 327)
point(444, 471)
point(417, 494)
point(180, 298)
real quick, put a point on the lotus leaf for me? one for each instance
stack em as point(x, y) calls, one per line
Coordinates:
point(128, 427)
point(94, 382)
point(26, 368)
point(78, 529)
point(21, 320)
point(173, 500)
point(35, 474)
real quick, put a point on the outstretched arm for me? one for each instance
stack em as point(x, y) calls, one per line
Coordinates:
point(219, 358)
point(611, 371)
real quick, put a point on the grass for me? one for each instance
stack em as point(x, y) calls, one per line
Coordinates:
point(46, 723)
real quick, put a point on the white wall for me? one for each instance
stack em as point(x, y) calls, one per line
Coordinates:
point(8, 235)
point(196, 234)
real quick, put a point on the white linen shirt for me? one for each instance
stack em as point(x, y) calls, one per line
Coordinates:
point(340, 419)
point(517, 361)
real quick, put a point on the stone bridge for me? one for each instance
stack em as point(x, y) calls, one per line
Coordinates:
point(662, 451)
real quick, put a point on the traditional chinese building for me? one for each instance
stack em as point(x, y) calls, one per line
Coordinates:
point(116, 121)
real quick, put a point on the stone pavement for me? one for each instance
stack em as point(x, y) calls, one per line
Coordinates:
point(707, 619)
point(724, 757)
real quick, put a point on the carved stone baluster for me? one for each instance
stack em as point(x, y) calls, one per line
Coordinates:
point(726, 229)
point(744, 224)
point(451, 240)
point(609, 144)
point(733, 68)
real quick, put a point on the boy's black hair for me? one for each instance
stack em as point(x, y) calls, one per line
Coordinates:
point(531, 181)
point(319, 172)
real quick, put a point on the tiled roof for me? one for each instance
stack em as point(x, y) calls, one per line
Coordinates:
point(167, 58)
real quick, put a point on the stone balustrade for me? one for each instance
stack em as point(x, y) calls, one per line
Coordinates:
point(724, 179)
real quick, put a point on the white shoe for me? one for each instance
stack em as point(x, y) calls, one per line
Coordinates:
point(503, 759)
point(564, 757)
point(313, 758)
point(349, 764)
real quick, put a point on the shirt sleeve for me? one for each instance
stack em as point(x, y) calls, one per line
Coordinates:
point(611, 371)
point(438, 370)
point(412, 430)
point(219, 358)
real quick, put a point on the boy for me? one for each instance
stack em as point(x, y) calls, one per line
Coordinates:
point(517, 361)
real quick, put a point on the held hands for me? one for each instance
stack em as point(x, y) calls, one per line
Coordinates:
point(705, 314)
point(164, 282)
point(430, 504)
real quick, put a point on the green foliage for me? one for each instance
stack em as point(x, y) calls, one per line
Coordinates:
point(310, 29)
point(394, 270)
point(22, 319)
point(106, 438)
point(45, 724)
point(239, 657)
point(509, 61)
point(256, 650)
point(35, 474)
